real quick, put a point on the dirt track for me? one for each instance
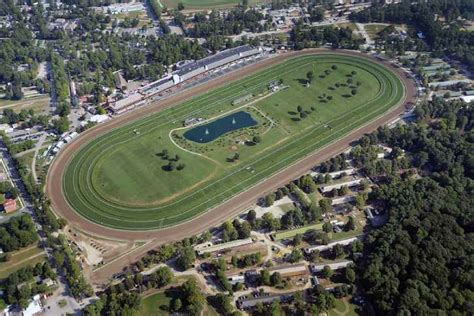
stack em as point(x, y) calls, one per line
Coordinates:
point(222, 212)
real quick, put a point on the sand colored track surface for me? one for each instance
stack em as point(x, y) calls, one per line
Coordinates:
point(227, 209)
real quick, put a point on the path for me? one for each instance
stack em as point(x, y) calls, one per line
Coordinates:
point(362, 32)
point(227, 209)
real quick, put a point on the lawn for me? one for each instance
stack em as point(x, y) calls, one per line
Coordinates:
point(40, 104)
point(207, 4)
point(292, 232)
point(122, 179)
point(373, 29)
point(344, 308)
point(20, 259)
point(156, 304)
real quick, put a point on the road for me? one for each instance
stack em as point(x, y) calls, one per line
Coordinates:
point(227, 209)
point(62, 293)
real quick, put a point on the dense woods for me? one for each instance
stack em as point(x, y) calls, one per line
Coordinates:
point(436, 19)
point(17, 233)
point(419, 262)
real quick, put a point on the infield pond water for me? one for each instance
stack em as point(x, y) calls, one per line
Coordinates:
point(208, 132)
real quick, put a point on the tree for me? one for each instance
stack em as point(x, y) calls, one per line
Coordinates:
point(325, 205)
point(176, 305)
point(310, 76)
point(244, 230)
point(337, 251)
point(193, 298)
point(360, 201)
point(327, 227)
point(350, 225)
point(297, 240)
point(276, 279)
point(163, 276)
point(61, 125)
point(256, 139)
point(265, 277)
point(180, 6)
point(327, 272)
point(296, 255)
point(350, 275)
point(185, 258)
point(224, 305)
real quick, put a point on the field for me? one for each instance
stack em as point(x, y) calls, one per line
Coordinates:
point(121, 179)
point(40, 104)
point(157, 304)
point(20, 259)
point(206, 4)
point(293, 232)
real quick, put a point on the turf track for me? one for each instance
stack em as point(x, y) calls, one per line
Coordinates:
point(80, 191)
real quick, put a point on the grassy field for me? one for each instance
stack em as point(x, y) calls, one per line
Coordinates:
point(157, 305)
point(120, 179)
point(293, 232)
point(206, 4)
point(20, 259)
point(374, 29)
point(344, 308)
point(40, 104)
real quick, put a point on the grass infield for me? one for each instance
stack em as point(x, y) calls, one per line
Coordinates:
point(120, 179)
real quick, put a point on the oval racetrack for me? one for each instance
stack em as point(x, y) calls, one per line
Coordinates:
point(82, 207)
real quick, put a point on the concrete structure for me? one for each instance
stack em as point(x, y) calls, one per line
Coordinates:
point(249, 303)
point(291, 271)
point(333, 266)
point(127, 103)
point(343, 242)
point(234, 279)
point(34, 308)
point(202, 246)
point(225, 246)
point(351, 183)
point(116, 8)
point(9, 206)
point(448, 83)
point(343, 200)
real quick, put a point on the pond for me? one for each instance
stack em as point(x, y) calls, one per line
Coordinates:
point(208, 132)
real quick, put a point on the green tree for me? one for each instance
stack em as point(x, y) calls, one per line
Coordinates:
point(350, 225)
point(185, 258)
point(350, 275)
point(176, 305)
point(265, 277)
point(327, 227)
point(327, 272)
point(310, 76)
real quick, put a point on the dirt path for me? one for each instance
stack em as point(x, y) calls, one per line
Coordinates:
point(226, 210)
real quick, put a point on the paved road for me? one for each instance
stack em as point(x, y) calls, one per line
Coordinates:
point(72, 306)
point(226, 210)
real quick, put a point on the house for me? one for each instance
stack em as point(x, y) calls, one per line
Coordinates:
point(225, 246)
point(48, 282)
point(251, 276)
point(291, 271)
point(34, 308)
point(236, 278)
point(265, 299)
point(9, 206)
point(329, 188)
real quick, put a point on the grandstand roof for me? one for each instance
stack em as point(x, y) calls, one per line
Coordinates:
point(213, 58)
